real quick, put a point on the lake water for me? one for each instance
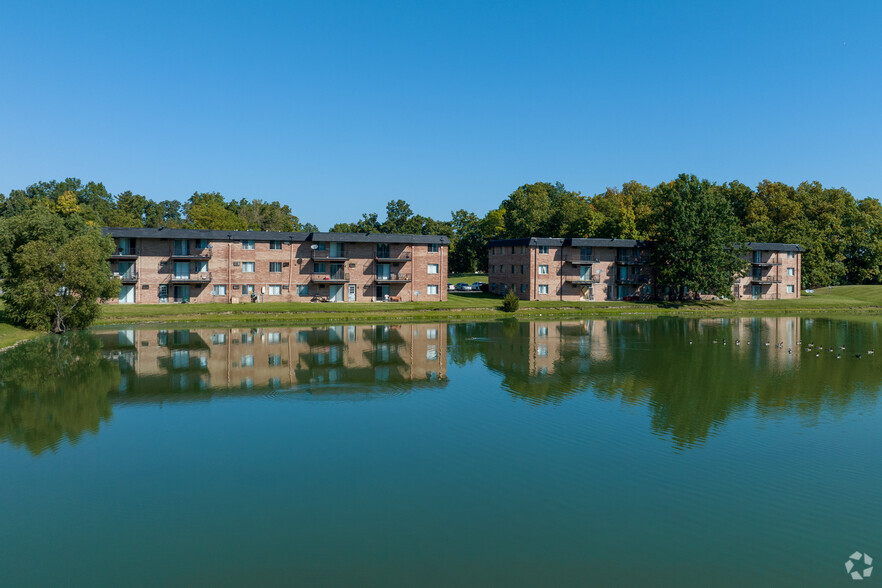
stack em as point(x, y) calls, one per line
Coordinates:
point(661, 452)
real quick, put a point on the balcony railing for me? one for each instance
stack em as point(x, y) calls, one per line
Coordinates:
point(200, 278)
point(403, 258)
point(629, 260)
point(338, 277)
point(125, 252)
point(194, 254)
point(765, 280)
point(580, 260)
point(394, 278)
point(765, 263)
point(593, 279)
point(326, 254)
point(127, 277)
point(638, 279)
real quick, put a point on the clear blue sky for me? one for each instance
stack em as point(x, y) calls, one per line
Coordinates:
point(337, 107)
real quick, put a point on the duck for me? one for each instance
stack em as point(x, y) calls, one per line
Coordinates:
point(838, 355)
point(870, 352)
point(857, 355)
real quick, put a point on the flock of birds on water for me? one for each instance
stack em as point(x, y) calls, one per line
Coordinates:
point(811, 348)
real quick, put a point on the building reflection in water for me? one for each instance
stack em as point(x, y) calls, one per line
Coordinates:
point(692, 375)
point(242, 359)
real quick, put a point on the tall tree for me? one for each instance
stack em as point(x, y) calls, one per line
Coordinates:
point(55, 270)
point(209, 210)
point(698, 245)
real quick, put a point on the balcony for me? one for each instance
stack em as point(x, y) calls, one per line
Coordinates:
point(195, 254)
point(123, 253)
point(765, 263)
point(632, 260)
point(201, 278)
point(394, 278)
point(335, 278)
point(638, 279)
point(327, 255)
point(579, 260)
point(764, 280)
point(127, 277)
point(581, 280)
point(403, 258)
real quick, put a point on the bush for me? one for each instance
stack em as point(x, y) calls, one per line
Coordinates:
point(510, 302)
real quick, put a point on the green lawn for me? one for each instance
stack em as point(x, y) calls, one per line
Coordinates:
point(10, 335)
point(864, 299)
point(467, 278)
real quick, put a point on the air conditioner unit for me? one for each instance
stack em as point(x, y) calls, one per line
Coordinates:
point(235, 264)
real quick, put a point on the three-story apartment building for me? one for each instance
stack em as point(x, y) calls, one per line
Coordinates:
point(177, 265)
point(620, 269)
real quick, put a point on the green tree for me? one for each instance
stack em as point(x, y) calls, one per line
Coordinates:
point(698, 244)
point(209, 211)
point(55, 270)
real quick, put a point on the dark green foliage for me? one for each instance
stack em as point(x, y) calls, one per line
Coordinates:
point(698, 245)
point(55, 270)
point(510, 302)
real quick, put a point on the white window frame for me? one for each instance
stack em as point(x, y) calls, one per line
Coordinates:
point(277, 264)
point(432, 289)
point(219, 290)
point(274, 290)
point(303, 289)
point(248, 244)
point(543, 288)
point(246, 265)
point(432, 268)
point(543, 270)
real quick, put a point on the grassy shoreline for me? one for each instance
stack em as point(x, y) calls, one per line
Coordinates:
point(461, 306)
point(851, 300)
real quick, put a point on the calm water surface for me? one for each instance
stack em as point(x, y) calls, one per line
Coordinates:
point(509, 453)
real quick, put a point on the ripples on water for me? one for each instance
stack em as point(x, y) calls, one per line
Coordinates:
point(569, 452)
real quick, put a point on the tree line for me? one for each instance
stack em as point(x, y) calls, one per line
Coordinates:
point(48, 232)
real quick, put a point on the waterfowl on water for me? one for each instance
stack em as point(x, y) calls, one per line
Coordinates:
point(858, 355)
point(870, 352)
point(838, 355)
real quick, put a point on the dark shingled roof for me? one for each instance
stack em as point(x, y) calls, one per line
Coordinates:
point(576, 242)
point(133, 233)
point(775, 247)
point(566, 242)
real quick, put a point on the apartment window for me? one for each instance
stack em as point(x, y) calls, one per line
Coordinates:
point(542, 331)
point(432, 289)
point(274, 360)
point(542, 350)
point(514, 269)
point(791, 254)
point(431, 352)
point(303, 290)
point(275, 290)
point(523, 288)
point(218, 338)
point(247, 361)
point(275, 245)
point(523, 249)
point(433, 268)
point(318, 267)
point(383, 250)
point(201, 243)
point(201, 267)
point(431, 334)
point(247, 267)
point(248, 244)
point(791, 271)
point(791, 288)
point(275, 267)
point(522, 269)
point(585, 253)
point(543, 288)
point(433, 248)
point(219, 290)
point(248, 289)
point(543, 270)
point(543, 249)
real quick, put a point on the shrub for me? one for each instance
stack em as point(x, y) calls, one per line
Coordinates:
point(510, 302)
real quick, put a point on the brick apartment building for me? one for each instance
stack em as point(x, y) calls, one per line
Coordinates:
point(176, 265)
point(620, 269)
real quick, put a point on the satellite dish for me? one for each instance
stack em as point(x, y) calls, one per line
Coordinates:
point(313, 246)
